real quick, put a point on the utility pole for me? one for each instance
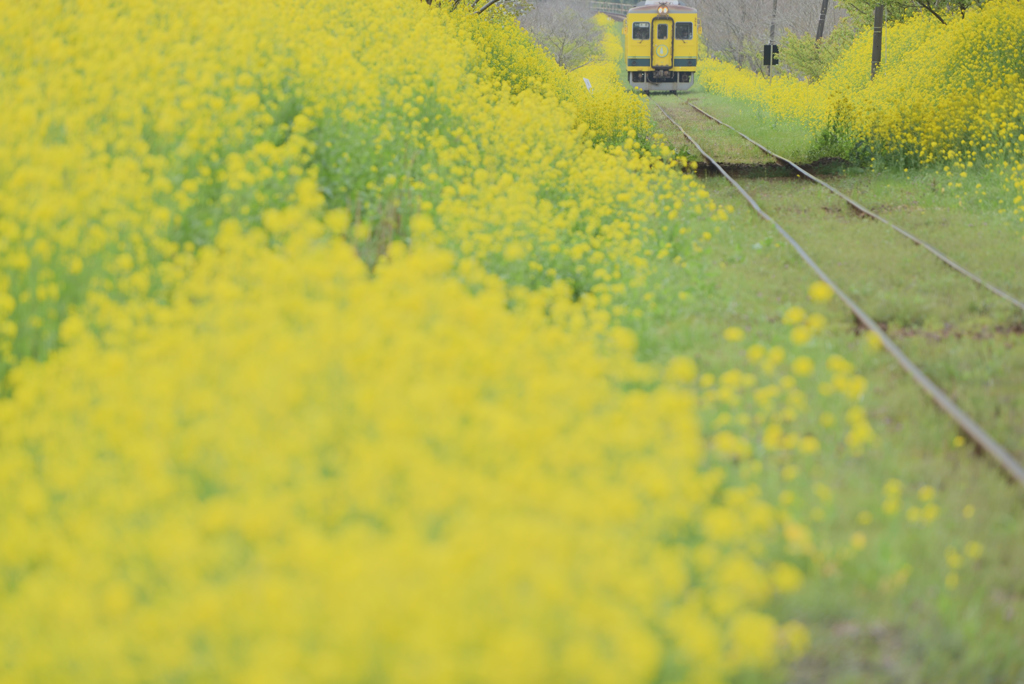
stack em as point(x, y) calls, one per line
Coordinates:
point(876, 45)
point(821, 20)
point(771, 35)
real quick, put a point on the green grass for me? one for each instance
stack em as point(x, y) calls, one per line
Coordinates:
point(789, 139)
point(866, 627)
point(730, 149)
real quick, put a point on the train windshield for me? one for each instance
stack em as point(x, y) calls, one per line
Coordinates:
point(684, 30)
point(642, 30)
point(662, 31)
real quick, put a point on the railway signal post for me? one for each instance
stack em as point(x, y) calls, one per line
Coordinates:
point(821, 20)
point(876, 44)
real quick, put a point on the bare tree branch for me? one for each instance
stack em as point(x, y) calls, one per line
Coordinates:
point(928, 6)
point(566, 30)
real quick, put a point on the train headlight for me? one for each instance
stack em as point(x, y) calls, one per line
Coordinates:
point(662, 9)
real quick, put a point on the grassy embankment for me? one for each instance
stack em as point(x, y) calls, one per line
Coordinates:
point(965, 338)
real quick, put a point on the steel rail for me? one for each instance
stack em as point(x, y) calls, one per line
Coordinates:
point(977, 433)
point(864, 210)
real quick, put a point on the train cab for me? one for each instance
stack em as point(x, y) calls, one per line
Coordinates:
point(661, 46)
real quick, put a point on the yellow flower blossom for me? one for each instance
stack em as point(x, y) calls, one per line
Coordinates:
point(802, 366)
point(794, 315)
point(733, 334)
point(322, 366)
point(914, 108)
point(820, 291)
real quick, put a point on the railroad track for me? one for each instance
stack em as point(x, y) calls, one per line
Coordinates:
point(970, 427)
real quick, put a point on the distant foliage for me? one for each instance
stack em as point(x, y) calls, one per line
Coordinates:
point(809, 58)
point(609, 114)
point(942, 11)
point(735, 30)
point(564, 28)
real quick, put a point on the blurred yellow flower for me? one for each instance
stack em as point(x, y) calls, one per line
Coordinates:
point(802, 366)
point(794, 315)
point(820, 291)
point(801, 335)
point(733, 334)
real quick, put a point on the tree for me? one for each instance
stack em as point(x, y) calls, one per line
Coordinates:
point(942, 10)
point(565, 28)
point(736, 30)
point(807, 57)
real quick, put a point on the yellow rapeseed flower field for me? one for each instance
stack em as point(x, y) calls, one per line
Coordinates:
point(949, 96)
point(316, 364)
point(296, 471)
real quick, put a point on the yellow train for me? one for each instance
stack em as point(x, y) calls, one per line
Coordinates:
point(661, 46)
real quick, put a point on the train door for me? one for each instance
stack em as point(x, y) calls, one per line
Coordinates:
point(661, 46)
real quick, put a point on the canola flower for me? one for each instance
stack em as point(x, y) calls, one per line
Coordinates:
point(315, 366)
point(946, 96)
point(510, 170)
point(606, 109)
point(386, 485)
point(784, 96)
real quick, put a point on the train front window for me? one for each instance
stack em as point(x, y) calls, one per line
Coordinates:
point(684, 31)
point(662, 31)
point(642, 30)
